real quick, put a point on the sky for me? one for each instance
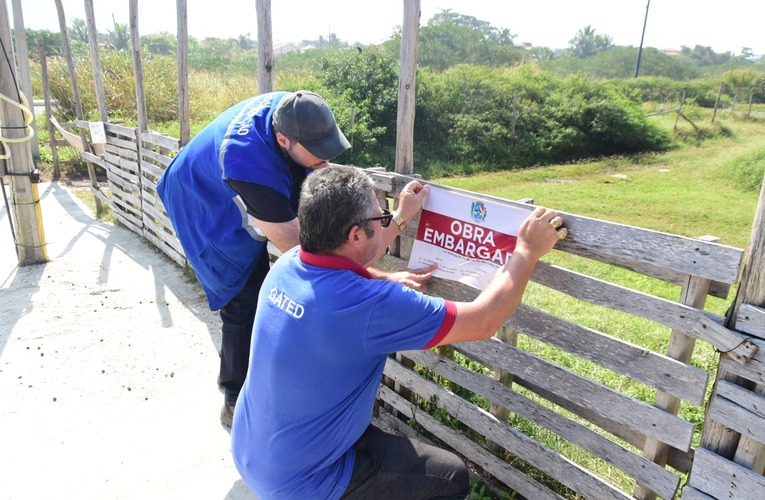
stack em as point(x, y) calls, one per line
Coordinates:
point(724, 25)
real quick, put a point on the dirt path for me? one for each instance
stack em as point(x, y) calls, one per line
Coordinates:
point(108, 360)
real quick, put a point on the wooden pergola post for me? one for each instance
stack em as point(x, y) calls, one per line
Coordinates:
point(140, 92)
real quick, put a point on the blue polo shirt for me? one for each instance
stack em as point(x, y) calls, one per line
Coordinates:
point(322, 334)
point(209, 217)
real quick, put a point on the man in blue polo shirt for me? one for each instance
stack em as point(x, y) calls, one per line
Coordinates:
point(234, 186)
point(321, 338)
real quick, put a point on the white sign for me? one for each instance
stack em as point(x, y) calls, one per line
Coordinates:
point(97, 132)
point(469, 238)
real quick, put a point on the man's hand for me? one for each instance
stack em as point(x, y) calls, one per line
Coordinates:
point(411, 198)
point(413, 279)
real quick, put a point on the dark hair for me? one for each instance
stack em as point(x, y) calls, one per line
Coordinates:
point(333, 200)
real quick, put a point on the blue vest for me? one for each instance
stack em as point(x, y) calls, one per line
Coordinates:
point(209, 218)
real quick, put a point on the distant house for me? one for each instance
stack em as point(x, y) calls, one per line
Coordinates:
point(281, 49)
point(524, 45)
point(671, 52)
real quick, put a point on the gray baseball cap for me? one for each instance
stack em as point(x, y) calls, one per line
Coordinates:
point(305, 117)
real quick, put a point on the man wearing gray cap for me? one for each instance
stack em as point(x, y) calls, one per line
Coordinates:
point(234, 187)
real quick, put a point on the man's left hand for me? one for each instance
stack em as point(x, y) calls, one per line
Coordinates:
point(413, 279)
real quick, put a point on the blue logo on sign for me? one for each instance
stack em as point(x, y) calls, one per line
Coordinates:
point(478, 211)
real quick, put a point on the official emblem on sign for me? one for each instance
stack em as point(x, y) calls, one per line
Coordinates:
point(478, 211)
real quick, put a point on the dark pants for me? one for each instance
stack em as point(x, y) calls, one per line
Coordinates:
point(237, 317)
point(391, 466)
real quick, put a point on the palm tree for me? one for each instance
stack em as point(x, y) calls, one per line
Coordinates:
point(119, 39)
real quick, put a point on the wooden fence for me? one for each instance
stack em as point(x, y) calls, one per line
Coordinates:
point(543, 373)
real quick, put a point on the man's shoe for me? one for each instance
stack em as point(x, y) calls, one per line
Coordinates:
point(227, 415)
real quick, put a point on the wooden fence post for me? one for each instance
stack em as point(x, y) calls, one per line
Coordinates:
point(98, 77)
point(265, 47)
point(717, 102)
point(76, 95)
point(22, 55)
point(406, 88)
point(716, 437)
point(48, 111)
point(680, 347)
point(183, 72)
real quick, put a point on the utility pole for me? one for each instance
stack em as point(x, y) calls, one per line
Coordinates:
point(15, 128)
point(640, 50)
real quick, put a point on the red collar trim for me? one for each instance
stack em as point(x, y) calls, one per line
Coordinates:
point(333, 262)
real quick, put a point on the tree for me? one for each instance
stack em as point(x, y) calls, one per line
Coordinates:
point(743, 80)
point(160, 43)
point(79, 30)
point(244, 42)
point(586, 43)
point(119, 39)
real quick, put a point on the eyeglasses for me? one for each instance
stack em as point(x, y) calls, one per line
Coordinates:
point(384, 219)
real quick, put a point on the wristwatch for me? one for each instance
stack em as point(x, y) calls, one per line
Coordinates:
point(400, 221)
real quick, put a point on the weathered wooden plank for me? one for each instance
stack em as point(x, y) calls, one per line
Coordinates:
point(123, 163)
point(721, 478)
point(127, 222)
point(149, 169)
point(128, 211)
point(162, 235)
point(680, 460)
point(644, 471)
point(510, 476)
point(161, 140)
point(125, 185)
point(96, 160)
point(691, 321)
point(123, 142)
point(753, 370)
point(613, 405)
point(529, 450)
point(669, 375)
point(171, 252)
point(748, 400)
point(101, 196)
point(114, 128)
point(751, 320)
point(739, 409)
point(122, 152)
point(691, 493)
point(153, 155)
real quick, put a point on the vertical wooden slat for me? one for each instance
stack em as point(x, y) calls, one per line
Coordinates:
point(680, 347)
point(76, 96)
point(22, 53)
point(183, 71)
point(95, 61)
point(265, 47)
point(46, 98)
point(406, 88)
point(140, 93)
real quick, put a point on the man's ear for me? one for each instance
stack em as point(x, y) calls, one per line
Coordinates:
point(283, 140)
point(353, 235)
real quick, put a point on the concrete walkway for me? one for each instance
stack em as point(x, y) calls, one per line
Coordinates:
point(108, 362)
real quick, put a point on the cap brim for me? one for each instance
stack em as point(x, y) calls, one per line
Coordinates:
point(328, 147)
